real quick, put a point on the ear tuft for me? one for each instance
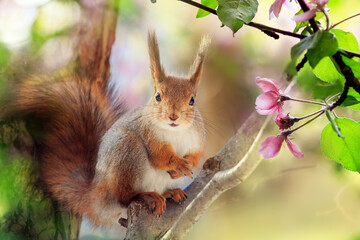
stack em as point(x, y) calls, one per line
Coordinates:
point(157, 71)
point(196, 68)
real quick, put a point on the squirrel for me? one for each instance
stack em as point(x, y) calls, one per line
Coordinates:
point(95, 157)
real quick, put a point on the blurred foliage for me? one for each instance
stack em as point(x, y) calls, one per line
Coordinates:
point(25, 213)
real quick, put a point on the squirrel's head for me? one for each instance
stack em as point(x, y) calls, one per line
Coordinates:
point(173, 103)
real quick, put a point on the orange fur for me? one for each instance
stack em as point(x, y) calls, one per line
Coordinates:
point(69, 117)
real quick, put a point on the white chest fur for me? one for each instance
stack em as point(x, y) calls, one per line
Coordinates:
point(183, 141)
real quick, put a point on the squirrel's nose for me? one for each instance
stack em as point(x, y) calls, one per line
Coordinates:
point(173, 117)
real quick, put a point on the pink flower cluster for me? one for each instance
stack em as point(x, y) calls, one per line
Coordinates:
point(314, 6)
point(270, 101)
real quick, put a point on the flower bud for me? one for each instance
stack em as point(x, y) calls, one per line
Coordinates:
point(284, 121)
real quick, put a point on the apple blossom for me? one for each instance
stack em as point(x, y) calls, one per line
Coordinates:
point(270, 101)
point(284, 121)
point(271, 146)
point(275, 8)
point(314, 6)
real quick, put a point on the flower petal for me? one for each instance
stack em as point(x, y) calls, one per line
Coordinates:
point(267, 100)
point(275, 8)
point(271, 146)
point(265, 111)
point(304, 16)
point(267, 84)
point(294, 149)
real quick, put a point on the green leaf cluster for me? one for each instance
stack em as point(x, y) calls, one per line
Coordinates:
point(317, 46)
point(322, 76)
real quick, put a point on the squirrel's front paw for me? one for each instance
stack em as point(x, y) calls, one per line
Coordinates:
point(180, 166)
point(175, 175)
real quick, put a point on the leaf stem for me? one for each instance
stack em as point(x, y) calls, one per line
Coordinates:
point(310, 115)
point(355, 15)
point(307, 122)
point(285, 98)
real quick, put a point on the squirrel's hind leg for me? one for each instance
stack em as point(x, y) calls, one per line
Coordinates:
point(177, 195)
point(155, 202)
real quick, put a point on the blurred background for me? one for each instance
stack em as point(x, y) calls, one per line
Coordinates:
point(285, 198)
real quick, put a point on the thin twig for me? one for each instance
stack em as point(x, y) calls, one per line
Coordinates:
point(350, 54)
point(199, 5)
point(251, 24)
point(355, 15)
point(327, 18)
point(261, 27)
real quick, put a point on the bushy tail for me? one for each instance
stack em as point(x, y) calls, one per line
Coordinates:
point(70, 117)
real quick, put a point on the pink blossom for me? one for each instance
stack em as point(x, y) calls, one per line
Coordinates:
point(305, 16)
point(275, 8)
point(294, 149)
point(267, 84)
point(319, 3)
point(269, 101)
point(314, 6)
point(271, 146)
point(284, 121)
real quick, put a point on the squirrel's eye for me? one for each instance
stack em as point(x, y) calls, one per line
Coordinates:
point(192, 100)
point(157, 97)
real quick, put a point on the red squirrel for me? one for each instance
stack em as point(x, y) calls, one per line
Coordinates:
point(95, 158)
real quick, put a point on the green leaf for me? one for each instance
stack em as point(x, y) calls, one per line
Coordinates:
point(296, 52)
point(323, 90)
point(355, 66)
point(209, 3)
point(326, 71)
point(352, 100)
point(324, 44)
point(343, 150)
point(346, 40)
point(234, 13)
point(307, 80)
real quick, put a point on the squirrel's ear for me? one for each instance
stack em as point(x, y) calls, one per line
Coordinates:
point(196, 68)
point(157, 71)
